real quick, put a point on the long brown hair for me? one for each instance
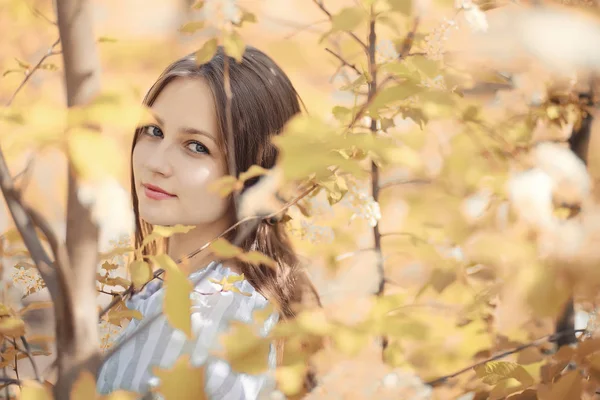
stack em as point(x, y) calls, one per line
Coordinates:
point(263, 100)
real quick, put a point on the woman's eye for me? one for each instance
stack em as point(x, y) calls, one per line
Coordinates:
point(152, 130)
point(197, 147)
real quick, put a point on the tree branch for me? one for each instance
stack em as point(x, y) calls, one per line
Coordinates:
point(320, 4)
point(398, 182)
point(28, 74)
point(27, 351)
point(344, 62)
point(548, 338)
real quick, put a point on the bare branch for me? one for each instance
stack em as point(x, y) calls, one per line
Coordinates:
point(399, 182)
point(344, 62)
point(548, 338)
point(25, 225)
point(28, 74)
point(409, 39)
point(320, 4)
point(27, 351)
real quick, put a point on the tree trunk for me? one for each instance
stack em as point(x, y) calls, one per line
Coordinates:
point(77, 321)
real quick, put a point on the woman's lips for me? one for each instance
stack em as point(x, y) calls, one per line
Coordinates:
point(156, 195)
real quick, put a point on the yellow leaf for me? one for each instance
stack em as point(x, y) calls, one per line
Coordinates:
point(568, 387)
point(225, 185)
point(253, 172)
point(257, 258)
point(315, 322)
point(234, 45)
point(495, 371)
point(84, 387)
point(33, 390)
point(402, 6)
point(116, 317)
point(182, 382)
point(177, 303)
point(121, 395)
point(168, 231)
point(192, 27)
point(245, 350)
point(109, 266)
point(290, 378)
point(198, 5)
point(206, 52)
point(222, 248)
point(348, 18)
point(12, 326)
point(93, 154)
point(236, 290)
point(349, 341)
point(140, 273)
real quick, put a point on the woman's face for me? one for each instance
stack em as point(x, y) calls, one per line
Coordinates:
point(176, 159)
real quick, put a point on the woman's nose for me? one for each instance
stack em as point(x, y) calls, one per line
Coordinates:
point(158, 161)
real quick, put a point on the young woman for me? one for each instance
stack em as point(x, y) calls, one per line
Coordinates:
point(174, 162)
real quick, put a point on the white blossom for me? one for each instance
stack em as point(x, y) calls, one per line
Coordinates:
point(110, 208)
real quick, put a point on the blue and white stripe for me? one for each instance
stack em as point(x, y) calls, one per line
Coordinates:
point(157, 344)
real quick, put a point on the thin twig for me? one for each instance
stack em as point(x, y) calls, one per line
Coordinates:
point(548, 338)
point(320, 4)
point(49, 53)
point(408, 41)
point(398, 182)
point(27, 351)
point(343, 61)
point(304, 28)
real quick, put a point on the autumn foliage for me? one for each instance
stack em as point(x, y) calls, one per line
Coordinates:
point(444, 198)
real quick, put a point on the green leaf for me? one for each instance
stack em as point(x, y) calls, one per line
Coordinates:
point(495, 371)
point(206, 52)
point(177, 302)
point(234, 45)
point(348, 18)
point(191, 27)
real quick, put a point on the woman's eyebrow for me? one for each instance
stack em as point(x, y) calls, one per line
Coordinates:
point(192, 131)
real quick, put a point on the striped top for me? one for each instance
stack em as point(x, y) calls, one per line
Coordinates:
point(158, 344)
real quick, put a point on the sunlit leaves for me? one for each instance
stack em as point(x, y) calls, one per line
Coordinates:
point(245, 350)
point(348, 19)
point(228, 184)
point(402, 6)
point(234, 45)
point(33, 390)
point(165, 231)
point(182, 382)
point(222, 248)
point(140, 273)
point(12, 326)
point(192, 27)
point(207, 51)
point(495, 371)
point(177, 303)
point(92, 154)
point(227, 284)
